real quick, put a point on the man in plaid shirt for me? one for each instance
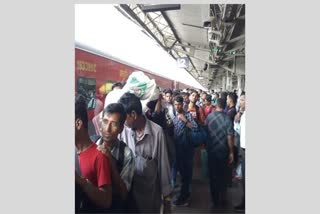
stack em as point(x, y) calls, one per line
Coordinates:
point(183, 123)
point(220, 151)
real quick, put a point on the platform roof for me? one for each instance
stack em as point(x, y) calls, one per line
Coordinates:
point(211, 36)
point(104, 28)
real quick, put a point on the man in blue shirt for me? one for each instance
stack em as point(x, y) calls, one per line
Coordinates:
point(183, 123)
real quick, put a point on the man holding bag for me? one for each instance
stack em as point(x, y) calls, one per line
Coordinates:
point(183, 123)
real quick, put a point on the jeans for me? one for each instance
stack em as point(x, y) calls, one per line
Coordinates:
point(184, 160)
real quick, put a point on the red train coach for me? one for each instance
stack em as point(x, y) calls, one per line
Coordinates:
point(95, 72)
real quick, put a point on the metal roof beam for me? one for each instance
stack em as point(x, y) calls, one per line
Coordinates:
point(192, 47)
point(128, 10)
point(235, 39)
point(196, 57)
point(232, 57)
point(159, 7)
point(155, 26)
point(175, 34)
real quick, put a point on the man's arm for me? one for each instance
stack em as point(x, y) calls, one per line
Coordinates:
point(128, 168)
point(115, 176)
point(230, 145)
point(230, 132)
point(101, 196)
point(164, 166)
point(183, 118)
point(192, 121)
point(158, 106)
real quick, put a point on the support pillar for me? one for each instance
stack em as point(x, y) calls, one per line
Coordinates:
point(229, 81)
point(223, 86)
point(241, 82)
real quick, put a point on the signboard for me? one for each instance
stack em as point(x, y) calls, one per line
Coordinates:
point(183, 62)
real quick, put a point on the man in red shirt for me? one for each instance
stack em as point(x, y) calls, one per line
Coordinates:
point(95, 179)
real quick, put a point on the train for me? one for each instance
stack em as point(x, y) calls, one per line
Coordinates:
point(96, 72)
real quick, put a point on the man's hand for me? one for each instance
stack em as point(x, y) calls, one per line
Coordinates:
point(230, 158)
point(237, 117)
point(183, 118)
point(189, 125)
point(104, 150)
point(79, 180)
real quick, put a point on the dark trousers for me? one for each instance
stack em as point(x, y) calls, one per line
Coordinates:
point(184, 160)
point(218, 166)
point(243, 171)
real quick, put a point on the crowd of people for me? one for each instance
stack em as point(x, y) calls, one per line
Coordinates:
point(132, 161)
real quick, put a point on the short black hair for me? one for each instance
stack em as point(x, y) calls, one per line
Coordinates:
point(167, 90)
point(185, 94)
point(243, 93)
point(233, 97)
point(224, 95)
point(152, 104)
point(81, 110)
point(117, 84)
point(116, 108)
point(176, 93)
point(194, 91)
point(131, 103)
point(178, 99)
point(221, 103)
point(208, 98)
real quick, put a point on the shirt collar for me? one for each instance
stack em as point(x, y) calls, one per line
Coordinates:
point(115, 146)
point(148, 128)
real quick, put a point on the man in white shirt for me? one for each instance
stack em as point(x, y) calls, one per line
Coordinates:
point(151, 179)
point(242, 100)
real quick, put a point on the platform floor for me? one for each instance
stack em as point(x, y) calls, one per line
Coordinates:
point(200, 196)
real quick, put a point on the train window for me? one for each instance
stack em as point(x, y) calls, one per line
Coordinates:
point(87, 88)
